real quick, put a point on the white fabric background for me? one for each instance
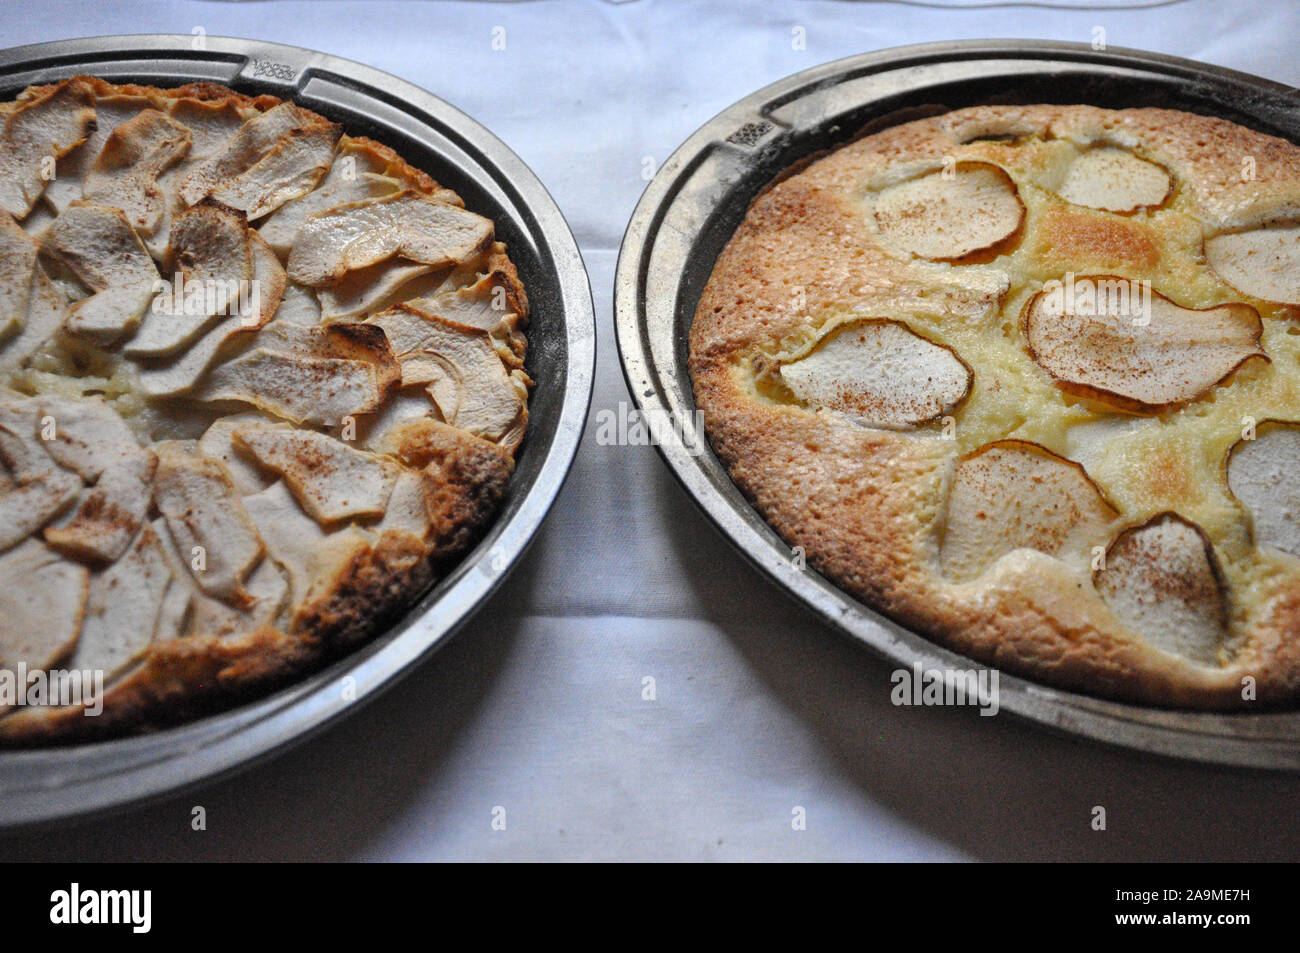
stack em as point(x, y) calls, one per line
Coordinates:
point(537, 705)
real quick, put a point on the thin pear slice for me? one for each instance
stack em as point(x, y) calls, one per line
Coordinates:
point(17, 263)
point(408, 504)
point(267, 591)
point(408, 224)
point(1105, 345)
point(252, 139)
point(304, 374)
point(281, 228)
point(84, 434)
point(218, 442)
point(29, 506)
point(71, 170)
point(22, 452)
point(42, 605)
point(1163, 581)
point(46, 313)
point(111, 513)
point(287, 172)
point(203, 615)
point(461, 366)
point(123, 608)
point(331, 480)
point(367, 291)
point(256, 306)
point(880, 374)
point(180, 374)
point(212, 124)
point(1264, 263)
point(362, 169)
point(298, 306)
point(1264, 474)
point(292, 537)
point(495, 297)
point(1013, 494)
point(207, 521)
point(106, 255)
point(464, 477)
point(211, 251)
point(125, 174)
point(45, 125)
point(947, 215)
point(175, 610)
point(1114, 180)
point(494, 300)
point(273, 158)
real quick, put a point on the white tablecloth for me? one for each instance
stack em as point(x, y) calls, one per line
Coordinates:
point(537, 707)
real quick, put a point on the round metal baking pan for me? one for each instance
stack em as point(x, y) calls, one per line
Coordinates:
point(42, 785)
point(692, 207)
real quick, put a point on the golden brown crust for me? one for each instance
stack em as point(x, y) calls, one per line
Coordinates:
point(397, 166)
point(375, 584)
point(369, 581)
point(867, 505)
point(205, 92)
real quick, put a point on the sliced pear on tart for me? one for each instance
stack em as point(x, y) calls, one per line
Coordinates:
point(123, 606)
point(83, 434)
point(292, 538)
point(463, 475)
point(218, 442)
point(211, 251)
point(47, 124)
point(1264, 474)
point(1106, 345)
point(330, 480)
point(1013, 494)
point(125, 174)
point(207, 522)
point(102, 249)
point(880, 374)
point(367, 291)
point(42, 602)
point(407, 224)
point(1162, 580)
point(110, 513)
point(188, 570)
point(72, 168)
point(29, 506)
point(21, 451)
point(1114, 180)
point(273, 158)
point(17, 264)
point(46, 313)
point(170, 376)
point(1263, 263)
point(461, 367)
point(302, 374)
point(948, 215)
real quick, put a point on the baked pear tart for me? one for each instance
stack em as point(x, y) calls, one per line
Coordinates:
point(1026, 379)
point(261, 381)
